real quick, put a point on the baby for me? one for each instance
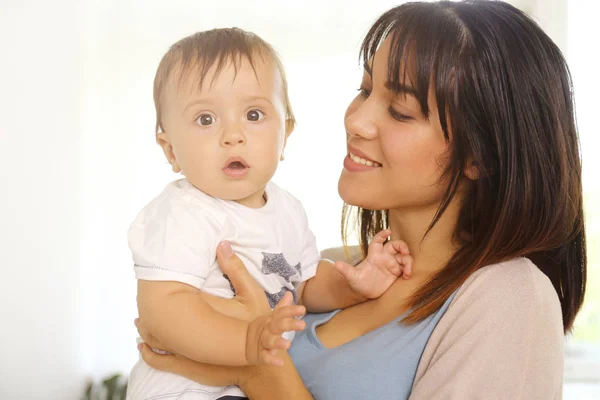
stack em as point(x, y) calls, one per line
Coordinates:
point(223, 119)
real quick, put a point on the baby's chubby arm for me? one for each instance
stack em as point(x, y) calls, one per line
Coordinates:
point(341, 285)
point(328, 290)
point(180, 318)
point(186, 324)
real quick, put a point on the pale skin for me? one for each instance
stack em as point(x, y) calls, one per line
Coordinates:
point(389, 129)
point(242, 114)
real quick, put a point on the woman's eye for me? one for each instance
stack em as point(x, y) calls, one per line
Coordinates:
point(399, 117)
point(364, 92)
point(255, 115)
point(205, 119)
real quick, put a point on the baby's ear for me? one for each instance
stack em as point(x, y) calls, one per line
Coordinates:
point(290, 124)
point(289, 128)
point(165, 143)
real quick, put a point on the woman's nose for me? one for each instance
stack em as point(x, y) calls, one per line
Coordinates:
point(361, 121)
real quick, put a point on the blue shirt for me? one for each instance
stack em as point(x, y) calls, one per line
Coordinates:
point(378, 365)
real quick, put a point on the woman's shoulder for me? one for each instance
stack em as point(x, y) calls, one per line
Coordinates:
point(514, 282)
point(505, 322)
point(512, 294)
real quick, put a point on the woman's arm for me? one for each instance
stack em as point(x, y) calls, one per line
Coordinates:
point(268, 382)
point(258, 382)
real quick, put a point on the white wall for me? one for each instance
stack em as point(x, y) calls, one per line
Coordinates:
point(40, 85)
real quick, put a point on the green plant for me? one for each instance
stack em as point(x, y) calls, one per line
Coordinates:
point(112, 388)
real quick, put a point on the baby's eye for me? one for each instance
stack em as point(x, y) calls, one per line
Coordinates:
point(255, 115)
point(205, 119)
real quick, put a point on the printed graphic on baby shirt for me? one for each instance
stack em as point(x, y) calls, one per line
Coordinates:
point(275, 297)
point(277, 264)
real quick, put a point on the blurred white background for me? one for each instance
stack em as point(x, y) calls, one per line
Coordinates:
point(78, 160)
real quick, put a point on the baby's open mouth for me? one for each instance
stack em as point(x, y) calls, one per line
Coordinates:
point(236, 167)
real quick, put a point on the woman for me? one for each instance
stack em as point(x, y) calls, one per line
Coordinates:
point(465, 111)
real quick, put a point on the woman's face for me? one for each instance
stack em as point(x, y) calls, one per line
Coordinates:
point(396, 155)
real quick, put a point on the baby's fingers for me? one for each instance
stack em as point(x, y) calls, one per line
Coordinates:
point(286, 300)
point(407, 264)
point(269, 357)
point(274, 342)
point(396, 246)
point(381, 237)
point(281, 324)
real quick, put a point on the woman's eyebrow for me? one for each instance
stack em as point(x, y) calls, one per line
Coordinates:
point(402, 89)
point(367, 68)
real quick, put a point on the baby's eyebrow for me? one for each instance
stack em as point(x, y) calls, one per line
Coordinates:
point(262, 98)
point(196, 102)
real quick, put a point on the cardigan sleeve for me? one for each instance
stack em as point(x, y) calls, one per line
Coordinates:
point(501, 338)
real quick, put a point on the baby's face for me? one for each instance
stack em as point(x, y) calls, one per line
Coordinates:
point(227, 137)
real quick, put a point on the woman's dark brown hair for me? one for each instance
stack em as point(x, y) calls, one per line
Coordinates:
point(504, 90)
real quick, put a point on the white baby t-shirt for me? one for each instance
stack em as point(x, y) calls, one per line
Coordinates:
point(175, 237)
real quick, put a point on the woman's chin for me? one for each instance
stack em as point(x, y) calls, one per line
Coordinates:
point(353, 195)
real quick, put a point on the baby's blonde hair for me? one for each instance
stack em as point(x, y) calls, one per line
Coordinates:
point(197, 53)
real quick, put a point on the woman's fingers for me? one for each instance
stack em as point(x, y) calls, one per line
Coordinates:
point(212, 375)
point(162, 362)
point(148, 338)
point(247, 290)
point(234, 268)
point(143, 332)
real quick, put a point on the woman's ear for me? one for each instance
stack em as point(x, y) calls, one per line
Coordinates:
point(165, 143)
point(472, 171)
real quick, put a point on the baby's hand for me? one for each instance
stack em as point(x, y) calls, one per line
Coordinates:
point(383, 265)
point(264, 333)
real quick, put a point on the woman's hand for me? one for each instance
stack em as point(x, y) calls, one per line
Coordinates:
point(253, 305)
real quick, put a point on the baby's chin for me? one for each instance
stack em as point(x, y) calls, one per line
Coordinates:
point(243, 192)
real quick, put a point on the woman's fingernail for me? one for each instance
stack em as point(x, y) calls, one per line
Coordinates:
point(226, 250)
point(135, 321)
point(140, 346)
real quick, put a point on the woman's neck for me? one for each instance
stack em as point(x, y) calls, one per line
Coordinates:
point(433, 252)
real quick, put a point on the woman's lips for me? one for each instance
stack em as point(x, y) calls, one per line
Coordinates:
point(353, 166)
point(357, 161)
